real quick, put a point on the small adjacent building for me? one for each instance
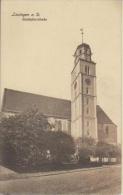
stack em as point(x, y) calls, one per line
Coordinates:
point(107, 130)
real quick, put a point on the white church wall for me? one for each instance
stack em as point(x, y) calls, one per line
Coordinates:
point(59, 124)
point(76, 128)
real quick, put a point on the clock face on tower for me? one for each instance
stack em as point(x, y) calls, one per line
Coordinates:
point(88, 81)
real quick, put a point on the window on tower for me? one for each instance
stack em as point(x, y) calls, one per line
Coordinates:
point(87, 110)
point(59, 126)
point(86, 90)
point(88, 58)
point(88, 51)
point(107, 130)
point(83, 49)
point(75, 85)
point(87, 101)
point(86, 69)
point(88, 133)
point(87, 123)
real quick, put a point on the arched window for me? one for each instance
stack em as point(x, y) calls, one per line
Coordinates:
point(86, 90)
point(59, 126)
point(75, 85)
point(107, 130)
point(87, 123)
point(86, 69)
point(88, 133)
point(87, 101)
point(87, 110)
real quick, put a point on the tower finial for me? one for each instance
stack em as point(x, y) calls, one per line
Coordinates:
point(82, 33)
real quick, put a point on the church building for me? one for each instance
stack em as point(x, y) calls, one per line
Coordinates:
point(80, 116)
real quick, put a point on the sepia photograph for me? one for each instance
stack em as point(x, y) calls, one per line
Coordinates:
point(60, 97)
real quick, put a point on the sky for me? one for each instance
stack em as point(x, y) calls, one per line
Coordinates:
point(37, 56)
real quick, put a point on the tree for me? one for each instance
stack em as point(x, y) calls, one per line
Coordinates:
point(86, 148)
point(23, 139)
point(101, 151)
point(61, 146)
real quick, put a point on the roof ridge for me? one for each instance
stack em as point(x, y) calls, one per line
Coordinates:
point(99, 109)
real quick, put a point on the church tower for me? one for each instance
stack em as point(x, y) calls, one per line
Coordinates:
point(83, 94)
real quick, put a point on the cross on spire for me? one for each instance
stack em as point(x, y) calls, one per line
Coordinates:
point(82, 33)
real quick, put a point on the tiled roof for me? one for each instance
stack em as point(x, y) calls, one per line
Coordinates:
point(83, 45)
point(17, 101)
point(102, 116)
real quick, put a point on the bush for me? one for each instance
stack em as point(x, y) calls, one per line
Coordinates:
point(24, 139)
point(61, 146)
point(105, 150)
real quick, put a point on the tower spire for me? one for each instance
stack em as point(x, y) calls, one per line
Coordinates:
point(82, 33)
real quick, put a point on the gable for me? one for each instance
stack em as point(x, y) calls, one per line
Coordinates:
point(102, 117)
